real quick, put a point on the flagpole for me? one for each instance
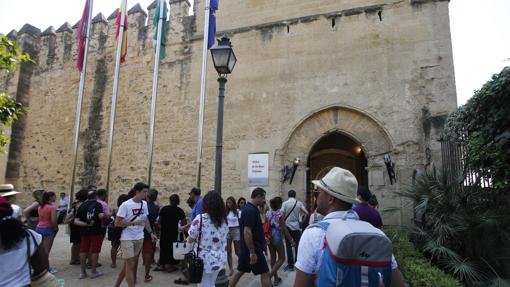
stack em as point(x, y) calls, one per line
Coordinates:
point(79, 102)
point(155, 90)
point(120, 40)
point(202, 92)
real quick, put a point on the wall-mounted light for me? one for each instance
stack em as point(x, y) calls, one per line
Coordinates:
point(288, 171)
point(358, 149)
point(390, 167)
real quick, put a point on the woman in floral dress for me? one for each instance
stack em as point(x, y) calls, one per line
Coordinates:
point(213, 241)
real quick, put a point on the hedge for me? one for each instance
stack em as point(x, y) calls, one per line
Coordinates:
point(416, 269)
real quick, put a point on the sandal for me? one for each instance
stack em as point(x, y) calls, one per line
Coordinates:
point(148, 278)
point(277, 281)
point(181, 281)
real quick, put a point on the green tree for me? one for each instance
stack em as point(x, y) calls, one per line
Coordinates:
point(482, 126)
point(10, 110)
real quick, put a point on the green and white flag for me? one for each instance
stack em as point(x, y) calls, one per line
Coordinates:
point(164, 28)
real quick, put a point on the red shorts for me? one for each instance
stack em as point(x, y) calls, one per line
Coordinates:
point(91, 243)
point(148, 246)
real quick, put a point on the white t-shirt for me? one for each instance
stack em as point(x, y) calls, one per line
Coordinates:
point(16, 211)
point(292, 221)
point(127, 211)
point(14, 262)
point(311, 245)
point(233, 219)
point(62, 205)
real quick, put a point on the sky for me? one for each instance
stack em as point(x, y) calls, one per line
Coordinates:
point(479, 29)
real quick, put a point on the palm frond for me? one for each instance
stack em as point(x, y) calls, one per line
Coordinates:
point(465, 269)
point(439, 251)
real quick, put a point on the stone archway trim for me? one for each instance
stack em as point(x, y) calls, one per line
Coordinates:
point(357, 124)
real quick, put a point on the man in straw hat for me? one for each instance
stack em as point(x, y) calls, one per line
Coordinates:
point(337, 191)
point(7, 191)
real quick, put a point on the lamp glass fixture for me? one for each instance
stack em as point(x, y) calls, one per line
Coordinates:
point(223, 56)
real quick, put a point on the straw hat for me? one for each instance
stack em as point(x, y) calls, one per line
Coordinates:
point(7, 190)
point(339, 183)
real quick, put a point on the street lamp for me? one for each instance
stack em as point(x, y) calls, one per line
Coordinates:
point(224, 61)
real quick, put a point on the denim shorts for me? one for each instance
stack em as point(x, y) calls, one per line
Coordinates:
point(46, 231)
point(277, 238)
point(234, 233)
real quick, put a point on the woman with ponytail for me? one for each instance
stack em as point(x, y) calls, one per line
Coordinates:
point(47, 225)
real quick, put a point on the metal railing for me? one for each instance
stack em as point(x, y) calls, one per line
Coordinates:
point(454, 159)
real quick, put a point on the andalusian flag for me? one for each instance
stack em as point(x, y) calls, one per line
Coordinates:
point(124, 35)
point(82, 34)
point(212, 23)
point(164, 28)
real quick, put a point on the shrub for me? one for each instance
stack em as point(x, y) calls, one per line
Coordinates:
point(482, 126)
point(417, 271)
point(465, 231)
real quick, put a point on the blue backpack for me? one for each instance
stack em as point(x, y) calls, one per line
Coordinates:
point(356, 254)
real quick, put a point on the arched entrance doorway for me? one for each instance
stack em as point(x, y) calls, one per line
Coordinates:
point(337, 131)
point(335, 149)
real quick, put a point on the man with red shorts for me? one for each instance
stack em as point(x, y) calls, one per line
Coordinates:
point(89, 216)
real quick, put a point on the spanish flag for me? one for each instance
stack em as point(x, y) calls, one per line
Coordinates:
point(82, 34)
point(124, 35)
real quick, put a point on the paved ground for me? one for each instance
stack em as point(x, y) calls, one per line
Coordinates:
point(60, 255)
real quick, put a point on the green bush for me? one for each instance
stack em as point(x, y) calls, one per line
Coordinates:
point(417, 271)
point(465, 231)
point(482, 126)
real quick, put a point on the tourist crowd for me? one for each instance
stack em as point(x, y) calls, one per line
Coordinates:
point(216, 231)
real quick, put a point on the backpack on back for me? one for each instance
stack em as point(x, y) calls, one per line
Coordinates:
point(355, 254)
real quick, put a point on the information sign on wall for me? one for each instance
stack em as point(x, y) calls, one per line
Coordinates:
point(258, 169)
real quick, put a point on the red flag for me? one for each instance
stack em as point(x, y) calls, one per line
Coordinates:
point(124, 35)
point(81, 35)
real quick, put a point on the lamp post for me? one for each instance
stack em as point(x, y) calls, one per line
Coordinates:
point(224, 61)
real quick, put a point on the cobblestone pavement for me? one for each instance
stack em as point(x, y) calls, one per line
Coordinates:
point(60, 255)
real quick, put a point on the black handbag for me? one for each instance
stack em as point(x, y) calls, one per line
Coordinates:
point(114, 232)
point(194, 263)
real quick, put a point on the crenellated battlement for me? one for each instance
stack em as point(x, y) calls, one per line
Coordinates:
point(57, 48)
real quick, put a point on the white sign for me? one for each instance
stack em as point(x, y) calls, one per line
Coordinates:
point(258, 169)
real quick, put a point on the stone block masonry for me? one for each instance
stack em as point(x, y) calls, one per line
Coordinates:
point(378, 71)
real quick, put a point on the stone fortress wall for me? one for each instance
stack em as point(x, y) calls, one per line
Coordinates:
point(380, 71)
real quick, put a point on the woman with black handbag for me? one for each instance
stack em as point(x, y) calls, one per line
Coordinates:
point(209, 231)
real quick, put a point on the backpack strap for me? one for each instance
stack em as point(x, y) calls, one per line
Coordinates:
point(29, 235)
point(350, 214)
point(324, 223)
point(287, 216)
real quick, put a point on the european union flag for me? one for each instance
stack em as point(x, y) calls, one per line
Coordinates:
point(213, 6)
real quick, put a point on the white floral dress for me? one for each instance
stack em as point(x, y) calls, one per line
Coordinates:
point(213, 244)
